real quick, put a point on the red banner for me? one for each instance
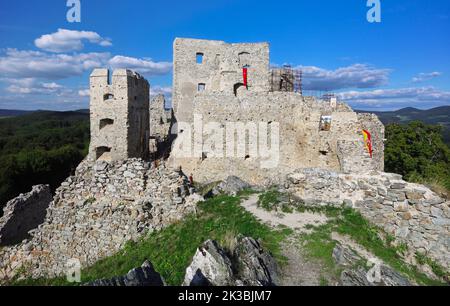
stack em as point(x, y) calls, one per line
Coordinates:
point(245, 75)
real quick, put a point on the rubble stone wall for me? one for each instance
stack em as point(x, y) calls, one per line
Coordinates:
point(95, 212)
point(24, 213)
point(410, 212)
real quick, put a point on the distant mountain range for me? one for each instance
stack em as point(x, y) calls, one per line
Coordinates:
point(12, 113)
point(438, 115)
point(7, 113)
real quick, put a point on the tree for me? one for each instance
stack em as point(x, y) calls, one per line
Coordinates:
point(418, 152)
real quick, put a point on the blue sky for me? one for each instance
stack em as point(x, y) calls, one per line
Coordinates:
point(402, 61)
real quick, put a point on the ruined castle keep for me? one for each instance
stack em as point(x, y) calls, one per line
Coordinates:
point(223, 83)
point(119, 115)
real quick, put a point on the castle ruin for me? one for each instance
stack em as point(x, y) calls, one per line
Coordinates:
point(225, 83)
point(209, 82)
point(323, 160)
point(119, 112)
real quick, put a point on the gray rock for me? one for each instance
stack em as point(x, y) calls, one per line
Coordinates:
point(355, 277)
point(248, 265)
point(398, 185)
point(359, 277)
point(344, 256)
point(255, 267)
point(356, 274)
point(232, 185)
point(145, 276)
point(209, 265)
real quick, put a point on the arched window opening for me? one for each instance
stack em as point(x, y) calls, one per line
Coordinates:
point(103, 153)
point(236, 87)
point(108, 97)
point(106, 122)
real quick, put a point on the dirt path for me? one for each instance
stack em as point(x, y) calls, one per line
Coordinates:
point(299, 270)
point(296, 220)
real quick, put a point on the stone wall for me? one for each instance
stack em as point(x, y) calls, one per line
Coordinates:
point(96, 212)
point(410, 212)
point(24, 213)
point(161, 119)
point(220, 70)
point(222, 99)
point(371, 123)
point(119, 112)
point(301, 141)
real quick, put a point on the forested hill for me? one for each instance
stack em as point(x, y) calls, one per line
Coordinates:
point(434, 116)
point(5, 113)
point(40, 147)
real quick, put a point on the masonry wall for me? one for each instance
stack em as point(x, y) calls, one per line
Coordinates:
point(302, 143)
point(161, 119)
point(95, 213)
point(211, 88)
point(371, 123)
point(119, 113)
point(220, 70)
point(411, 213)
point(23, 214)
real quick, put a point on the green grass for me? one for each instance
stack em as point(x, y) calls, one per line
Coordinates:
point(435, 267)
point(247, 192)
point(323, 282)
point(269, 200)
point(320, 245)
point(172, 249)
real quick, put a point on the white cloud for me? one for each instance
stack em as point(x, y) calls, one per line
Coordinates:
point(32, 86)
point(158, 90)
point(143, 66)
point(30, 77)
point(354, 76)
point(84, 93)
point(35, 64)
point(68, 40)
point(397, 98)
point(421, 77)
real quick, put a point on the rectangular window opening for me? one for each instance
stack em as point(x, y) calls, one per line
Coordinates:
point(199, 58)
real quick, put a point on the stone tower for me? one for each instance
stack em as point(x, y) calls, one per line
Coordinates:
point(119, 112)
point(202, 67)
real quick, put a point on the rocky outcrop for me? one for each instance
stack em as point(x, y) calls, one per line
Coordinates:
point(96, 211)
point(255, 267)
point(210, 266)
point(248, 265)
point(357, 273)
point(23, 214)
point(412, 213)
point(143, 276)
point(232, 185)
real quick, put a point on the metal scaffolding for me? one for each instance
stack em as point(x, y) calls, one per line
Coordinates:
point(286, 79)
